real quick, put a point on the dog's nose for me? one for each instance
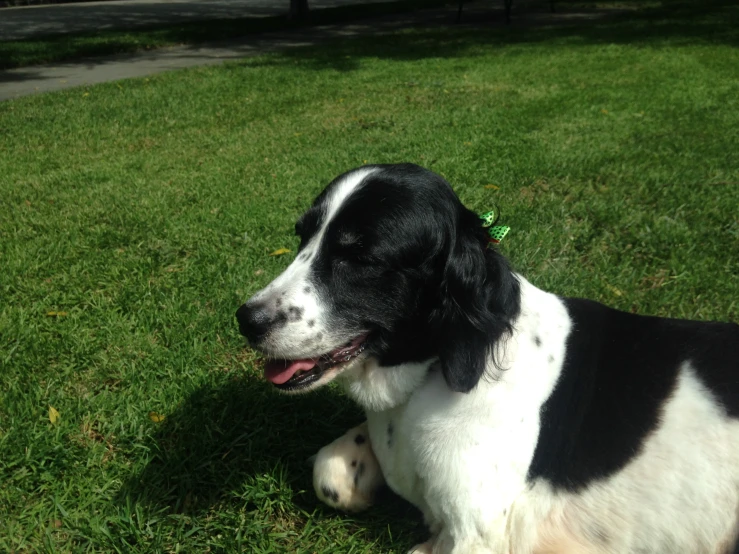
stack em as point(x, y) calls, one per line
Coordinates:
point(253, 321)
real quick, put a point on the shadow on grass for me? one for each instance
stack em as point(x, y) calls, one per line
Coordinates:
point(368, 34)
point(675, 23)
point(222, 434)
point(219, 444)
point(134, 33)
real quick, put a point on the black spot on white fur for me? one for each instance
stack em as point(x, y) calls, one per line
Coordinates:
point(359, 439)
point(280, 320)
point(294, 313)
point(597, 534)
point(330, 493)
point(358, 474)
point(537, 340)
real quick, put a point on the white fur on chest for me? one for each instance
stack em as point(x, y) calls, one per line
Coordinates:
point(463, 458)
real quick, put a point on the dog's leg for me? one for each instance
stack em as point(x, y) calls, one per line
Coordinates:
point(346, 474)
point(425, 548)
point(442, 545)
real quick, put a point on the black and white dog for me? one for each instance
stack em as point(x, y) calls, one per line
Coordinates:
point(518, 421)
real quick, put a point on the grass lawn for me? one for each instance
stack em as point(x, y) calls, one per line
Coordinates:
point(136, 217)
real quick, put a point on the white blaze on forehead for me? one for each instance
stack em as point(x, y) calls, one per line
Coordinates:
point(299, 269)
point(341, 192)
point(293, 292)
point(297, 272)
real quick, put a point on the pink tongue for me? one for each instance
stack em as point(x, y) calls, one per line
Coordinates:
point(280, 371)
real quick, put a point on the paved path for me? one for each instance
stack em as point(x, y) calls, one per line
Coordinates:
point(24, 81)
point(31, 21)
point(44, 78)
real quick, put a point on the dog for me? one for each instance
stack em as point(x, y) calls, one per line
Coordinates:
point(516, 420)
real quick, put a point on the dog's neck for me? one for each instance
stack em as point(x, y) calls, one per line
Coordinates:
point(378, 388)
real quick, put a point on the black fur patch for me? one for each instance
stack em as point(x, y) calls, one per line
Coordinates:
point(359, 439)
point(404, 259)
point(618, 372)
point(416, 273)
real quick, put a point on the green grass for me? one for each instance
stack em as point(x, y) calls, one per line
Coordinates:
point(73, 46)
point(145, 212)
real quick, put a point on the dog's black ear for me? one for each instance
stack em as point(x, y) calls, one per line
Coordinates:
point(480, 298)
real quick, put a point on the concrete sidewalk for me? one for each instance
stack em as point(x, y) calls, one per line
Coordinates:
point(32, 21)
point(24, 81)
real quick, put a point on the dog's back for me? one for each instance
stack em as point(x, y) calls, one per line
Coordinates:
point(639, 445)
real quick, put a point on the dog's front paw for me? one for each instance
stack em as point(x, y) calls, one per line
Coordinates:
point(346, 474)
point(425, 548)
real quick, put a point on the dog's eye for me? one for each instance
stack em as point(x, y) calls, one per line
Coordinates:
point(350, 245)
point(350, 248)
point(349, 240)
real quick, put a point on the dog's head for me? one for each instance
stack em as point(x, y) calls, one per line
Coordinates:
point(391, 265)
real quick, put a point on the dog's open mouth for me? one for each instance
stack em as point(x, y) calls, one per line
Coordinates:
point(294, 374)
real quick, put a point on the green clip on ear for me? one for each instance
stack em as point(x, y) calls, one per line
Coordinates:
point(488, 218)
point(496, 233)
